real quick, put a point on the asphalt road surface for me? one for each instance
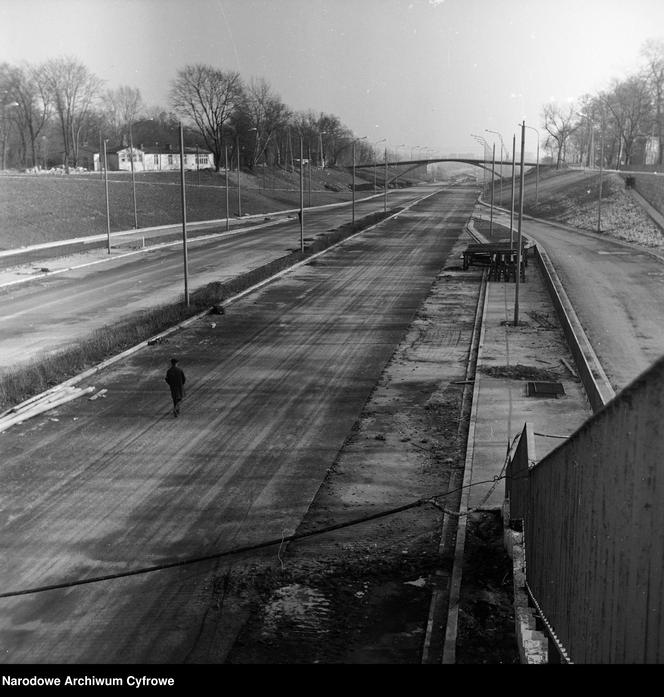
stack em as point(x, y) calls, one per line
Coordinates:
point(118, 484)
point(617, 291)
point(53, 311)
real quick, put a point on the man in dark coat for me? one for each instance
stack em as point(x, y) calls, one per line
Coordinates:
point(175, 379)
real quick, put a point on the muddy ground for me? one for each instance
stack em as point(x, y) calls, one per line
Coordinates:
point(361, 594)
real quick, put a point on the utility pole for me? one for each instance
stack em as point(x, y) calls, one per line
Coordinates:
point(184, 219)
point(385, 203)
point(353, 218)
point(518, 243)
point(108, 210)
point(133, 180)
point(226, 170)
point(239, 195)
point(493, 170)
point(301, 197)
point(601, 169)
point(512, 206)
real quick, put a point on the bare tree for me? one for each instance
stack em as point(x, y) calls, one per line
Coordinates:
point(208, 97)
point(629, 106)
point(266, 115)
point(653, 52)
point(72, 88)
point(559, 122)
point(123, 105)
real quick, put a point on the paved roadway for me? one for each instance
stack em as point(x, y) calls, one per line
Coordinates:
point(55, 310)
point(116, 484)
point(617, 291)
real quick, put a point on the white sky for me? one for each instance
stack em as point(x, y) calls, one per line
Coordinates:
point(424, 73)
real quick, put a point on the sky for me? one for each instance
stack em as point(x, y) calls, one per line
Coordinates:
point(412, 74)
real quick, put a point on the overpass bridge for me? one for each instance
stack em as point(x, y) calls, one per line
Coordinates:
point(414, 164)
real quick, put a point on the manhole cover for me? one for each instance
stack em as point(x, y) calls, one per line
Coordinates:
point(545, 389)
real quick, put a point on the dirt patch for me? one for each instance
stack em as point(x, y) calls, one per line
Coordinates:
point(486, 621)
point(521, 372)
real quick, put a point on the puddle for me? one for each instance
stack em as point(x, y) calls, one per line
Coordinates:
point(297, 606)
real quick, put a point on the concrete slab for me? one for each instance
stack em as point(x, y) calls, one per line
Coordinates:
point(509, 357)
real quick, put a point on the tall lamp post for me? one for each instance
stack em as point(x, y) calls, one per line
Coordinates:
point(239, 195)
point(382, 140)
point(355, 141)
point(321, 154)
point(502, 149)
point(301, 196)
point(518, 242)
point(532, 128)
point(601, 164)
point(108, 209)
point(184, 219)
point(485, 147)
point(385, 200)
point(133, 178)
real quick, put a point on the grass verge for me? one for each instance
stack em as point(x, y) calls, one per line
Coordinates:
point(45, 372)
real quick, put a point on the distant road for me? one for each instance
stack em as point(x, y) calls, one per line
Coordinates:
point(617, 291)
point(117, 484)
point(57, 310)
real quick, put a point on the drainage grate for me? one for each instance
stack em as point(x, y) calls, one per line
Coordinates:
point(545, 389)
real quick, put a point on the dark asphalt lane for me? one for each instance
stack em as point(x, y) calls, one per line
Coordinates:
point(58, 310)
point(273, 391)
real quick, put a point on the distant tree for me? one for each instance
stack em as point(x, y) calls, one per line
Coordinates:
point(559, 122)
point(267, 114)
point(208, 97)
point(629, 107)
point(653, 52)
point(25, 86)
point(123, 105)
point(72, 89)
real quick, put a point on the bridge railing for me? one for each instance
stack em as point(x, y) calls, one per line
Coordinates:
point(592, 515)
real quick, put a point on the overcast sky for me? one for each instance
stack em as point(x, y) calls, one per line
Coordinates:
point(423, 73)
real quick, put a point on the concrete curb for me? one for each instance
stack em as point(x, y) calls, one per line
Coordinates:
point(452, 625)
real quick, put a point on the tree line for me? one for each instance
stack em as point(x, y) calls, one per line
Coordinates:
point(618, 126)
point(59, 112)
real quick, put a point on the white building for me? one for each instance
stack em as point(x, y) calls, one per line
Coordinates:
point(153, 159)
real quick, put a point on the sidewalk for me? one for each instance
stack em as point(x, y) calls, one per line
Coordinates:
point(510, 357)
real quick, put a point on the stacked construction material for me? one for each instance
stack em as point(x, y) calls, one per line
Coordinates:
point(41, 403)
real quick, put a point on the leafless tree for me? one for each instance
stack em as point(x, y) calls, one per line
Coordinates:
point(208, 97)
point(629, 106)
point(653, 52)
point(123, 105)
point(72, 89)
point(559, 122)
point(267, 114)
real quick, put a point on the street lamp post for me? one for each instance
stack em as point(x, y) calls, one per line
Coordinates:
point(184, 219)
point(355, 141)
point(321, 154)
point(493, 171)
point(239, 194)
point(601, 163)
point(512, 204)
point(485, 147)
point(301, 196)
point(518, 242)
point(108, 208)
point(532, 128)
point(382, 140)
point(133, 178)
point(226, 178)
point(502, 148)
point(385, 201)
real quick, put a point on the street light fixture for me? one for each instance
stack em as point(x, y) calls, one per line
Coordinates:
point(184, 218)
point(532, 128)
point(355, 141)
point(502, 148)
point(382, 140)
point(601, 164)
point(108, 211)
point(133, 179)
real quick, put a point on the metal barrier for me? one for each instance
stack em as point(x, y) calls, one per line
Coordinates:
point(592, 514)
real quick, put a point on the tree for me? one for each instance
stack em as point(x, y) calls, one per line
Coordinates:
point(267, 114)
point(72, 89)
point(559, 122)
point(629, 106)
point(208, 97)
point(653, 52)
point(25, 87)
point(123, 105)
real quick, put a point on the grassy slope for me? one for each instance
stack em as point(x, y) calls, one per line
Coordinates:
point(45, 208)
point(571, 197)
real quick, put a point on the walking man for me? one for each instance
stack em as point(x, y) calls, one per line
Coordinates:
point(175, 379)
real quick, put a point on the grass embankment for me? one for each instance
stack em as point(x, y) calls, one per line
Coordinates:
point(576, 204)
point(39, 375)
point(36, 209)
